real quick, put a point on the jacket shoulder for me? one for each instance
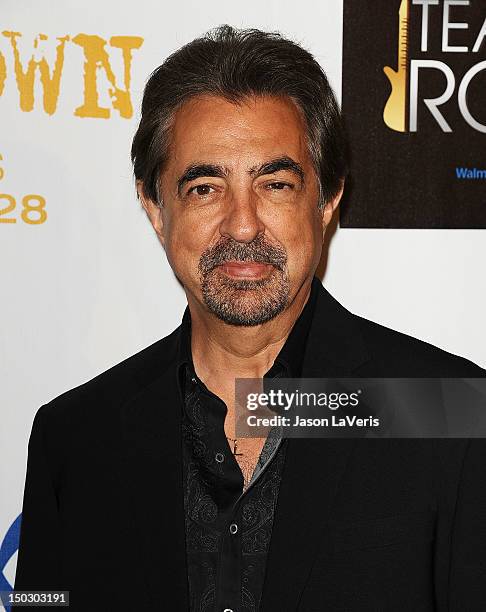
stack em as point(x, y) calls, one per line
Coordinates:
point(115, 385)
point(406, 356)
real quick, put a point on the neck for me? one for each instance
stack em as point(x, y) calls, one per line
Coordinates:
point(224, 352)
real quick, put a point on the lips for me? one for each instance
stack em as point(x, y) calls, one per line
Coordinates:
point(245, 269)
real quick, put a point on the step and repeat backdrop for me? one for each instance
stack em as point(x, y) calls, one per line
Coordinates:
point(415, 100)
point(85, 283)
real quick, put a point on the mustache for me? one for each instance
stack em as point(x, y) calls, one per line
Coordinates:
point(228, 249)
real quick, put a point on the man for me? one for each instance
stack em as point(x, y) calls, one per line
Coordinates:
point(138, 495)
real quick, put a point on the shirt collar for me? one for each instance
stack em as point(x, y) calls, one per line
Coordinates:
point(288, 361)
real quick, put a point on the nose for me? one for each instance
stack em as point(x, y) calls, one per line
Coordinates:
point(242, 221)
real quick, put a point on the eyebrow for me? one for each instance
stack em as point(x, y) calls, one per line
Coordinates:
point(196, 171)
point(280, 163)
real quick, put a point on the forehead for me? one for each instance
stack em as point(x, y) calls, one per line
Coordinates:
point(210, 128)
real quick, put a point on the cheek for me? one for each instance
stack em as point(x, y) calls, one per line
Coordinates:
point(302, 240)
point(186, 238)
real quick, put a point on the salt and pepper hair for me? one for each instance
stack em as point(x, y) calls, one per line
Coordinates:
point(236, 64)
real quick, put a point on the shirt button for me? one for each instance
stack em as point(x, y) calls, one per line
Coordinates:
point(219, 457)
point(227, 610)
point(233, 528)
point(193, 379)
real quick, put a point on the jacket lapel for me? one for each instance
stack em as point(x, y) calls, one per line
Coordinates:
point(152, 481)
point(313, 467)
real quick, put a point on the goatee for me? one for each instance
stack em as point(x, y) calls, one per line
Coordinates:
point(245, 302)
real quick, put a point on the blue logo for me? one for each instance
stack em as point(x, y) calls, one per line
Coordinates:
point(8, 547)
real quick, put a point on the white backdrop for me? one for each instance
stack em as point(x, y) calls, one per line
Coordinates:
point(90, 285)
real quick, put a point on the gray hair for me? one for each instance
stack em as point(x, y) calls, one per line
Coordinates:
point(235, 64)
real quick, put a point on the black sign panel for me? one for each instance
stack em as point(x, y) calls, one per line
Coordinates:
point(414, 100)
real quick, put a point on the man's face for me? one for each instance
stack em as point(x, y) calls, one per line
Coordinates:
point(240, 222)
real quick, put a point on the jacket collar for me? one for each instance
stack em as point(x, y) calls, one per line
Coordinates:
point(335, 345)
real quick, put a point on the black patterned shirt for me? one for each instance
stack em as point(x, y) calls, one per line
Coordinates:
point(228, 530)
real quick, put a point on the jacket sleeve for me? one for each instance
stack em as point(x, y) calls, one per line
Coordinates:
point(38, 565)
point(467, 588)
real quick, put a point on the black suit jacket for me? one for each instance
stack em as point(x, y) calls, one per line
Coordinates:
point(397, 524)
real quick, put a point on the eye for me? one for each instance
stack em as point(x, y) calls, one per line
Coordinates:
point(201, 190)
point(279, 186)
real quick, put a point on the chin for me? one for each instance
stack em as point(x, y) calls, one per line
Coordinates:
point(246, 302)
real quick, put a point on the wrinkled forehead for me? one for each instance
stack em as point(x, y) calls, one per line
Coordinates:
point(253, 129)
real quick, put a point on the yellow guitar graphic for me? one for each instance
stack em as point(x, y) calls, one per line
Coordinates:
point(394, 113)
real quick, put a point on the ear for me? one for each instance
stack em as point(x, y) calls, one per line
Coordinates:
point(330, 207)
point(154, 212)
